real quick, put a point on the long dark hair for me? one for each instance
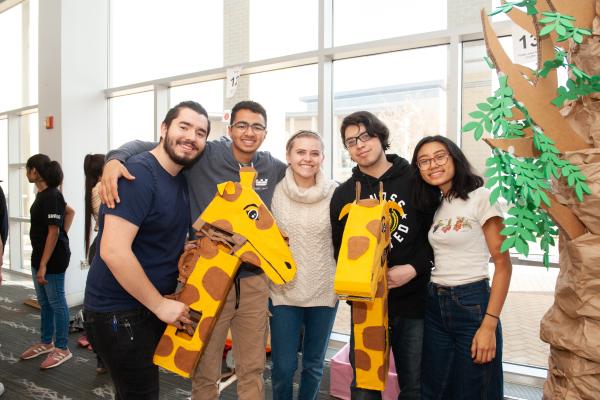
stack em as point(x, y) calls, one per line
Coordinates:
point(465, 180)
point(50, 171)
point(93, 164)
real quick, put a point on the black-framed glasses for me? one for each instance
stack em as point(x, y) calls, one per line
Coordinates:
point(440, 159)
point(243, 126)
point(351, 141)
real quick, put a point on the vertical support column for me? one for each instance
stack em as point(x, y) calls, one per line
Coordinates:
point(14, 192)
point(161, 106)
point(454, 85)
point(325, 84)
point(236, 46)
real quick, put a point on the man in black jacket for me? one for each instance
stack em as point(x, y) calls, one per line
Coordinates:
point(411, 258)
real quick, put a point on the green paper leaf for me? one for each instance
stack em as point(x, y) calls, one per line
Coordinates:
point(495, 194)
point(507, 244)
point(508, 230)
point(469, 126)
point(522, 246)
point(546, 30)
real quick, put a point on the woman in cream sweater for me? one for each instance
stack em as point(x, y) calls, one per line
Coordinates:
point(308, 303)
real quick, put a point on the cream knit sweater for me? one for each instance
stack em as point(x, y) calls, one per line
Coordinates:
point(303, 213)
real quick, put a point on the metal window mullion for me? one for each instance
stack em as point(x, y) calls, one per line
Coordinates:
point(325, 82)
point(161, 106)
point(14, 191)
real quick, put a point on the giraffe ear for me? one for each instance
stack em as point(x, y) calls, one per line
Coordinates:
point(392, 205)
point(225, 188)
point(345, 211)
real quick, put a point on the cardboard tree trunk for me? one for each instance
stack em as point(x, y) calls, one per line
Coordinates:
point(572, 325)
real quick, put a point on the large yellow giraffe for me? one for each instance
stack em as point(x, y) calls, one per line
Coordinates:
point(236, 226)
point(361, 277)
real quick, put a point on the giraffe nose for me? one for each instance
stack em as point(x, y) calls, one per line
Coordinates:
point(288, 265)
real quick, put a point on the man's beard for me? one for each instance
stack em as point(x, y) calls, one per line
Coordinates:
point(177, 159)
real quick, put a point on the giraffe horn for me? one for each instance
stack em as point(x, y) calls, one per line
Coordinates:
point(357, 191)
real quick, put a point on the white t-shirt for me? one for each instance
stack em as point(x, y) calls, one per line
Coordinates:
point(459, 246)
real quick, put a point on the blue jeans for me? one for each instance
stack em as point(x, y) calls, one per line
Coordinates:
point(125, 341)
point(54, 309)
point(287, 323)
point(452, 318)
point(406, 341)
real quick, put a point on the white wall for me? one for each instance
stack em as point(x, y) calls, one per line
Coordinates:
point(73, 52)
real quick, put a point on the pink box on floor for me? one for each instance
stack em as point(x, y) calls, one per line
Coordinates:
point(341, 377)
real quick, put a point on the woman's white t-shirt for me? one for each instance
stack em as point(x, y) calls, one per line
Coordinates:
point(459, 246)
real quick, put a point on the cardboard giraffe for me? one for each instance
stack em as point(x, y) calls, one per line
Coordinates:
point(235, 227)
point(361, 277)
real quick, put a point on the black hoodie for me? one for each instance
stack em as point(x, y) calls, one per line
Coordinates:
point(409, 236)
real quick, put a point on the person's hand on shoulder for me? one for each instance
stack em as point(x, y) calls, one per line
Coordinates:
point(107, 189)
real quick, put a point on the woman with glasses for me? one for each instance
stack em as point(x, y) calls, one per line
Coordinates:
point(462, 345)
point(305, 307)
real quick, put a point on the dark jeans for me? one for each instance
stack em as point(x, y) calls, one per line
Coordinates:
point(406, 341)
point(452, 318)
point(287, 324)
point(126, 341)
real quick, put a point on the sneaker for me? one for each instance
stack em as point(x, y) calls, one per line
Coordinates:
point(55, 358)
point(1, 389)
point(37, 349)
point(100, 368)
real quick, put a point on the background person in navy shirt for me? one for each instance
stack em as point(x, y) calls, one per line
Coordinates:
point(140, 241)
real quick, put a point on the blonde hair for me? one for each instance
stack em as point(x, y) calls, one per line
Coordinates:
point(300, 134)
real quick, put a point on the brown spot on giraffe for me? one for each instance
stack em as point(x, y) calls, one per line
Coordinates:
point(357, 246)
point(185, 360)
point(165, 346)
point(216, 283)
point(359, 312)
point(189, 295)
point(362, 360)
point(381, 372)
point(208, 248)
point(374, 338)
point(223, 224)
point(231, 197)
point(374, 227)
point(265, 221)
point(205, 328)
point(380, 289)
point(250, 258)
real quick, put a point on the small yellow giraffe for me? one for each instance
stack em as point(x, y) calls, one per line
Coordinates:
point(361, 277)
point(236, 226)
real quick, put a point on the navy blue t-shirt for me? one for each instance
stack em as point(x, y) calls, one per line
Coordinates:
point(158, 204)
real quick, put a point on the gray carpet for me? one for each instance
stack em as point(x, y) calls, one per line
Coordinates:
point(77, 378)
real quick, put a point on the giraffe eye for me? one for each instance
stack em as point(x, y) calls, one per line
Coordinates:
point(252, 214)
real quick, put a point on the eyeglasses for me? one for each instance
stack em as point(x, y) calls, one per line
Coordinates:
point(243, 126)
point(351, 141)
point(440, 159)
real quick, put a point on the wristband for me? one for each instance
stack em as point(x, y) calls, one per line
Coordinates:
point(493, 316)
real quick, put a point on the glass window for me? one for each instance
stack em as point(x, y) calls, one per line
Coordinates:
point(11, 48)
point(356, 21)
point(290, 98)
point(531, 290)
point(210, 96)
point(281, 27)
point(131, 118)
point(4, 154)
point(26, 248)
point(406, 90)
point(19, 77)
point(167, 38)
point(28, 136)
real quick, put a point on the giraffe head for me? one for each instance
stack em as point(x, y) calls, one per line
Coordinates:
point(238, 210)
point(365, 243)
